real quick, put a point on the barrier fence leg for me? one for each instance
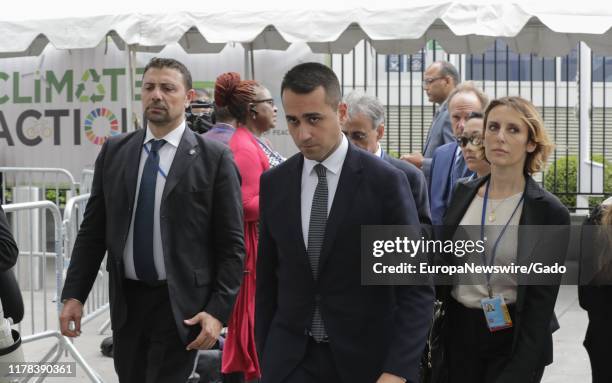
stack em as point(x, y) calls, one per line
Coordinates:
point(79, 359)
point(104, 327)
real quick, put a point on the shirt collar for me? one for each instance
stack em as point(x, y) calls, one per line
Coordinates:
point(333, 162)
point(379, 152)
point(173, 138)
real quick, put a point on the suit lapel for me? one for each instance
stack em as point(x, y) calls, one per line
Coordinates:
point(295, 203)
point(530, 216)
point(527, 239)
point(130, 174)
point(461, 200)
point(186, 153)
point(349, 181)
point(434, 123)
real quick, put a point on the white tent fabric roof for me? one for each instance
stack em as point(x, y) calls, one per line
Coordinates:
point(546, 28)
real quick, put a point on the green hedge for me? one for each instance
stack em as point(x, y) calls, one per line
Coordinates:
point(50, 195)
point(567, 168)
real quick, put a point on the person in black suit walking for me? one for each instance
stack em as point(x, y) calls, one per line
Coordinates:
point(166, 205)
point(481, 347)
point(315, 321)
point(365, 127)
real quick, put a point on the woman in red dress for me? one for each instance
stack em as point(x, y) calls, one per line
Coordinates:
point(253, 107)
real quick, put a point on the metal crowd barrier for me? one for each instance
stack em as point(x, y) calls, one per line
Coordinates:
point(44, 303)
point(23, 184)
point(86, 181)
point(98, 299)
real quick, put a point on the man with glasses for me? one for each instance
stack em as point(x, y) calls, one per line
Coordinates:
point(439, 80)
point(447, 163)
point(365, 127)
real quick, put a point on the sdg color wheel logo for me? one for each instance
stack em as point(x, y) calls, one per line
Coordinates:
point(97, 122)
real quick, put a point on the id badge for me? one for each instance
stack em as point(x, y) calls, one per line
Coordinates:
point(496, 313)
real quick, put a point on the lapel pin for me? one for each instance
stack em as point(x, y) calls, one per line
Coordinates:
point(192, 152)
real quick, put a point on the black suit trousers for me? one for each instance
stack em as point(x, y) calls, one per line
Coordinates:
point(316, 366)
point(597, 343)
point(148, 347)
point(474, 354)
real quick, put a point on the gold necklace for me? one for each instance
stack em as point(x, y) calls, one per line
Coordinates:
point(491, 216)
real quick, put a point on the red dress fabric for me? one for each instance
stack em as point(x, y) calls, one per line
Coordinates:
point(239, 352)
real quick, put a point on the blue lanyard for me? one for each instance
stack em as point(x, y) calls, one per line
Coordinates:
point(158, 168)
point(482, 226)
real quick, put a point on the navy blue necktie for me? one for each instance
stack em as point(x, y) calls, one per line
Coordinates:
point(143, 219)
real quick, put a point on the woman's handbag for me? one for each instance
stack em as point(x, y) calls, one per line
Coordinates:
point(433, 364)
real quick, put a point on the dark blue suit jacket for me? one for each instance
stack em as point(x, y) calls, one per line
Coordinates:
point(440, 188)
point(418, 184)
point(372, 329)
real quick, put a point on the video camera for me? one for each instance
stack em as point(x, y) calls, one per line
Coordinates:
point(200, 116)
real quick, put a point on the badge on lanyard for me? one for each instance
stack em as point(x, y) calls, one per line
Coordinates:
point(494, 307)
point(496, 313)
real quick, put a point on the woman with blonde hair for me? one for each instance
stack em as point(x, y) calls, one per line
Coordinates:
point(499, 328)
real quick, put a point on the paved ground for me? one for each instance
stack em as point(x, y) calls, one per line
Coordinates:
point(571, 362)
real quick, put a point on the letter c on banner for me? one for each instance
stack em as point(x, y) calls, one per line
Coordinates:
point(20, 133)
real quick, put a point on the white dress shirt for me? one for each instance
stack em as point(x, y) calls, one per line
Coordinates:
point(166, 156)
point(379, 152)
point(333, 163)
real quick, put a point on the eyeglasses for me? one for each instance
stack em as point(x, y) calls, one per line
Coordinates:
point(356, 136)
point(269, 101)
point(429, 81)
point(462, 141)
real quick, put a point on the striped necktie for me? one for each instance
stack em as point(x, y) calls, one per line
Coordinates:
point(316, 235)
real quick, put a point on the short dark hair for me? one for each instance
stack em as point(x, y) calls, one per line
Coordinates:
point(160, 63)
point(305, 78)
point(448, 69)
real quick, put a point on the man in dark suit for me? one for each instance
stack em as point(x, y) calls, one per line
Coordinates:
point(448, 165)
point(365, 127)
point(439, 80)
point(315, 321)
point(166, 205)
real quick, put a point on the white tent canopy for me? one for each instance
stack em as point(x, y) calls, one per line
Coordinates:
point(542, 27)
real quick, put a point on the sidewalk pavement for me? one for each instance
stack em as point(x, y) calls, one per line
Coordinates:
point(571, 364)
